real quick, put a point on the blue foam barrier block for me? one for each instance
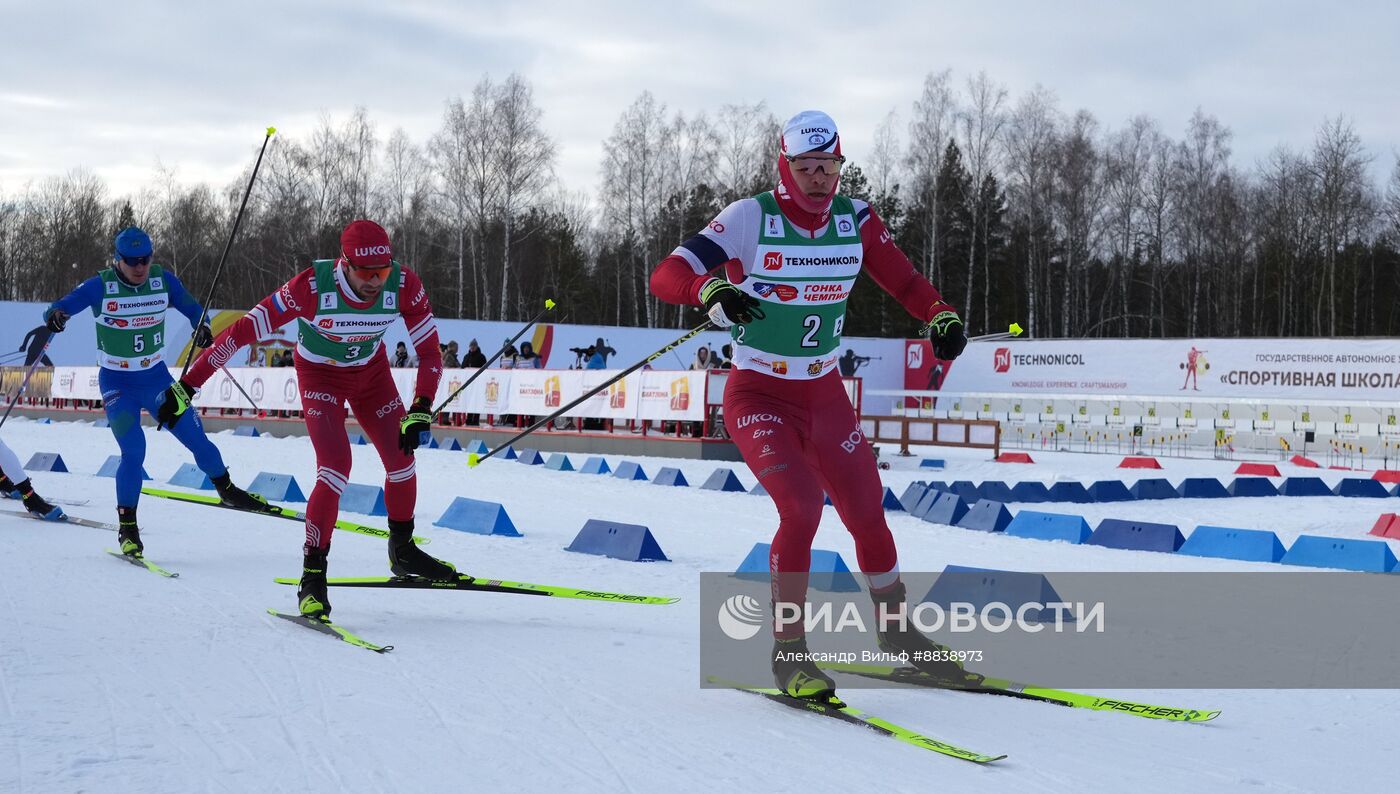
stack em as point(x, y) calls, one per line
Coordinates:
point(1257, 545)
point(477, 446)
point(46, 461)
point(1110, 491)
point(596, 465)
point(1153, 488)
point(44, 421)
point(1304, 486)
point(365, 499)
point(559, 462)
point(355, 438)
point(1070, 492)
point(948, 508)
point(1118, 533)
point(277, 487)
point(912, 494)
point(926, 501)
point(1202, 488)
point(109, 467)
point(477, 517)
point(530, 457)
point(995, 490)
point(669, 475)
point(508, 454)
point(246, 430)
point(937, 485)
point(966, 490)
point(1049, 526)
point(1356, 486)
point(723, 479)
point(931, 463)
point(986, 515)
point(628, 470)
point(190, 476)
point(450, 443)
point(630, 542)
point(758, 490)
point(826, 500)
point(979, 587)
point(1316, 551)
point(1030, 492)
point(891, 502)
point(1253, 486)
point(829, 572)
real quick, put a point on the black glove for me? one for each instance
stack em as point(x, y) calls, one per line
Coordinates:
point(415, 424)
point(173, 404)
point(55, 319)
point(203, 335)
point(728, 305)
point(946, 332)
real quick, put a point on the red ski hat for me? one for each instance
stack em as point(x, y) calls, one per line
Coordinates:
point(366, 244)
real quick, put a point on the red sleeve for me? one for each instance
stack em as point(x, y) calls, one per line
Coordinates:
point(422, 332)
point(295, 299)
point(675, 282)
point(893, 271)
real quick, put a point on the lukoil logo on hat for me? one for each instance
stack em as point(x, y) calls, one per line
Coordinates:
point(366, 244)
point(811, 131)
point(740, 617)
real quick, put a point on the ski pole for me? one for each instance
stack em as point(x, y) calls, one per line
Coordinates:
point(548, 305)
point(473, 459)
point(218, 270)
point(1010, 333)
point(236, 385)
point(29, 373)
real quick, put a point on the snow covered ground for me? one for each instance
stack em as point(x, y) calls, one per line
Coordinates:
point(112, 679)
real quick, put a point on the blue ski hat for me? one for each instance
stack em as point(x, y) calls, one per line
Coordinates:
point(131, 241)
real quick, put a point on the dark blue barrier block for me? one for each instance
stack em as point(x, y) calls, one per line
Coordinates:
point(1069, 492)
point(530, 457)
point(1257, 545)
point(828, 571)
point(890, 501)
point(925, 502)
point(478, 517)
point(931, 463)
point(1030, 492)
point(109, 468)
point(450, 444)
point(46, 461)
point(1202, 488)
point(477, 446)
point(365, 499)
point(947, 508)
point(966, 490)
point(1355, 486)
point(1253, 486)
point(986, 515)
point(995, 490)
point(758, 490)
point(627, 470)
point(355, 438)
point(277, 487)
point(44, 421)
point(1110, 491)
point(1155, 488)
point(189, 476)
point(559, 462)
point(979, 587)
point(937, 485)
point(723, 479)
point(1316, 551)
point(1304, 486)
point(508, 454)
point(631, 542)
point(1049, 526)
point(668, 475)
point(912, 494)
point(826, 500)
point(1117, 533)
point(596, 465)
point(246, 430)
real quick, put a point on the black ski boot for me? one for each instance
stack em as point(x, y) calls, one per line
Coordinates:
point(406, 559)
point(233, 496)
point(128, 534)
point(797, 675)
point(33, 502)
point(901, 637)
point(312, 600)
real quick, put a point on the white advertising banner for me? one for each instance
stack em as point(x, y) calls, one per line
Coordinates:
point(75, 383)
point(1322, 369)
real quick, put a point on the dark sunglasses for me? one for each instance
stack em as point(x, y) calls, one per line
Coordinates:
point(135, 261)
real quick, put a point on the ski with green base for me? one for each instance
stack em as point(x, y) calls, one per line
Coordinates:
point(465, 582)
point(142, 562)
point(325, 626)
point(1001, 686)
point(277, 511)
point(838, 709)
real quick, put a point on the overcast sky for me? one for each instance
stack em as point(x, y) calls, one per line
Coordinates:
point(118, 87)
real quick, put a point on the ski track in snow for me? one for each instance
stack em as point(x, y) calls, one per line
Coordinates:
point(113, 679)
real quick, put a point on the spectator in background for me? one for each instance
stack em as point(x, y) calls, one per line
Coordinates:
point(703, 359)
point(400, 356)
point(474, 359)
point(726, 360)
point(509, 357)
point(449, 358)
point(255, 356)
point(597, 359)
point(604, 350)
point(529, 359)
point(289, 358)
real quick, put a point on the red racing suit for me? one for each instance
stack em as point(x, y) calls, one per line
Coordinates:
point(367, 386)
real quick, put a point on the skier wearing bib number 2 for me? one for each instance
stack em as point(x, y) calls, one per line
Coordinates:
point(342, 307)
point(129, 300)
point(790, 257)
